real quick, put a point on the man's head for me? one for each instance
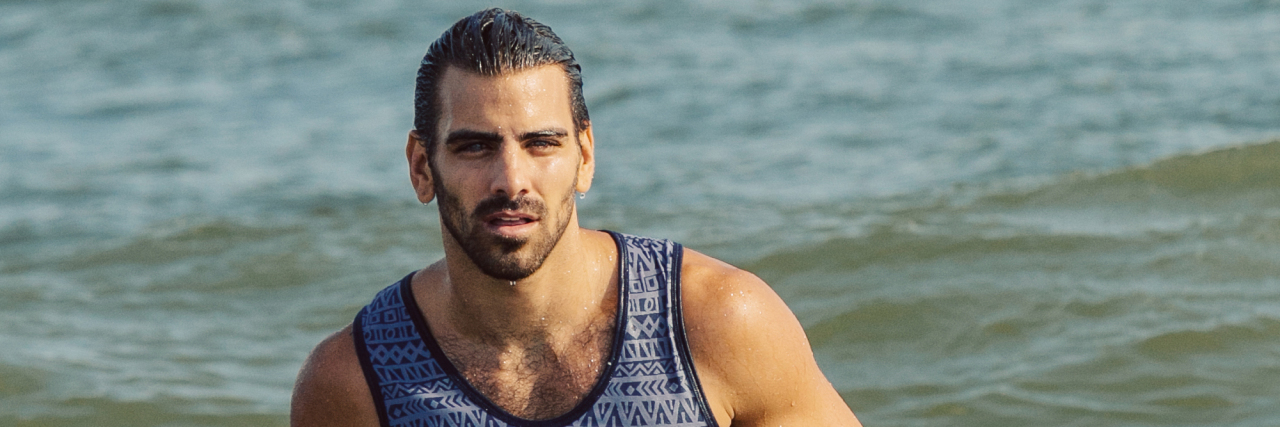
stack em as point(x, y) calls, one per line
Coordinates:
point(502, 141)
point(491, 42)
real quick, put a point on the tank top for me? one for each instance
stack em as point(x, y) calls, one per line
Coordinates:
point(648, 380)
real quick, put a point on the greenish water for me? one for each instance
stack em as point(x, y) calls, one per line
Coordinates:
point(1144, 296)
point(985, 214)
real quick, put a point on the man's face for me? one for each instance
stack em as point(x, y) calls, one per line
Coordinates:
point(506, 166)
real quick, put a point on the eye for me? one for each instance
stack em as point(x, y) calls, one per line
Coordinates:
point(542, 144)
point(472, 147)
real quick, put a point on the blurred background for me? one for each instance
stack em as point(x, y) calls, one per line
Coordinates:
point(996, 213)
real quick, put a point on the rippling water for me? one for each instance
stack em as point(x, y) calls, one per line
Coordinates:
point(984, 213)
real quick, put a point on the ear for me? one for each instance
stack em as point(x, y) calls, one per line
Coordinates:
point(419, 168)
point(586, 169)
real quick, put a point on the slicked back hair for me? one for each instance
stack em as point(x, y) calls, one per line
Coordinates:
point(491, 42)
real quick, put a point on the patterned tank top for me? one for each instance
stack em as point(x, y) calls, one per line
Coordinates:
point(648, 381)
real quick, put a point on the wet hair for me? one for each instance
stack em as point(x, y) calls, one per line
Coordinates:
point(489, 43)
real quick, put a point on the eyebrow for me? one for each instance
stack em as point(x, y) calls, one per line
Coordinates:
point(468, 135)
point(544, 133)
point(471, 135)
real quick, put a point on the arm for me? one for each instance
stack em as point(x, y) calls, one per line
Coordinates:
point(751, 355)
point(331, 390)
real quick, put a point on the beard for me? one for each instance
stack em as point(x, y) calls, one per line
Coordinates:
point(502, 257)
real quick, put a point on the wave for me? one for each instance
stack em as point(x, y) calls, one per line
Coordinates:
point(1245, 171)
point(1216, 339)
point(1161, 217)
point(1144, 294)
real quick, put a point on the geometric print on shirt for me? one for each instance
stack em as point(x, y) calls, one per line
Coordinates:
point(648, 380)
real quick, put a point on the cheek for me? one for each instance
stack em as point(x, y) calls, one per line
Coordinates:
point(465, 176)
point(560, 173)
point(458, 186)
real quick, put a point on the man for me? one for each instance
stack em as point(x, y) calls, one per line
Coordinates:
point(530, 319)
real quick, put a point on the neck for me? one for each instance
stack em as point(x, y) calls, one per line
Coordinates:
point(573, 288)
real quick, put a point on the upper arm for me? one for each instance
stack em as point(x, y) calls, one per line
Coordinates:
point(331, 388)
point(752, 357)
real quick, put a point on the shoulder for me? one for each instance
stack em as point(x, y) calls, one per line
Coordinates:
point(726, 307)
point(750, 352)
point(731, 317)
point(331, 388)
point(729, 309)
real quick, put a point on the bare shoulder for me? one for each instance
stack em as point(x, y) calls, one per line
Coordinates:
point(750, 352)
point(331, 388)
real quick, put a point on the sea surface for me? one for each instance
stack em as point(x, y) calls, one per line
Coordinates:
point(985, 213)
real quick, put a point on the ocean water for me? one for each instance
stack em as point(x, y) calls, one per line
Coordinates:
point(999, 213)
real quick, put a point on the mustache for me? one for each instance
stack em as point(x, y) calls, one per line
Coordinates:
point(522, 204)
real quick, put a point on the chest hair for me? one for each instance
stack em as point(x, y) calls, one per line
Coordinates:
point(544, 380)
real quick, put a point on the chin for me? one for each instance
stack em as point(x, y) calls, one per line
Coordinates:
point(508, 269)
point(507, 258)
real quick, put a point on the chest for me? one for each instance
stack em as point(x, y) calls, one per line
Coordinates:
point(539, 379)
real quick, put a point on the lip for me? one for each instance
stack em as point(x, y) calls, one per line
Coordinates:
point(509, 223)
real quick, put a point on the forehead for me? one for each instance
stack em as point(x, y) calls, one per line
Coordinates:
point(534, 98)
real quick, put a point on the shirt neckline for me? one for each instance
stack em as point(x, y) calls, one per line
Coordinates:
point(587, 402)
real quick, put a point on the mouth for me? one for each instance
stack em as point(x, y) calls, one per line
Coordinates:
point(509, 223)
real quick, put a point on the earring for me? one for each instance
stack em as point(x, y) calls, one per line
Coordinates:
point(581, 195)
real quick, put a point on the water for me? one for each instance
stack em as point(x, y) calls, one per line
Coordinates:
point(995, 213)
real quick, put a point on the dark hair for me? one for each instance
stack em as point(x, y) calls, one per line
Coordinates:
point(489, 43)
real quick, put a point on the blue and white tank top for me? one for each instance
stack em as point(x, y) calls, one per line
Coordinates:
point(648, 381)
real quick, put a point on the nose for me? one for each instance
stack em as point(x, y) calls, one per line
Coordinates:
point(510, 171)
